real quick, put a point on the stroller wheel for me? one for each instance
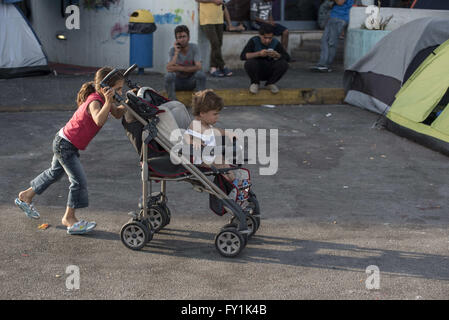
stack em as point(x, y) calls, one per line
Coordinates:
point(167, 211)
point(229, 242)
point(253, 207)
point(135, 235)
point(158, 217)
point(251, 222)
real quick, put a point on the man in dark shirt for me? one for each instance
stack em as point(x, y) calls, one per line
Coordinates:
point(266, 60)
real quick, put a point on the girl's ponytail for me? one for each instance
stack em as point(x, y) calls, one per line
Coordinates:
point(86, 89)
point(94, 86)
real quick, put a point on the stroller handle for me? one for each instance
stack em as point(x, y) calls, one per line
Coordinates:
point(129, 70)
point(105, 79)
point(126, 74)
point(108, 76)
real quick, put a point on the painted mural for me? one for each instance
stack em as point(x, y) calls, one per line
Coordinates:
point(119, 32)
point(169, 17)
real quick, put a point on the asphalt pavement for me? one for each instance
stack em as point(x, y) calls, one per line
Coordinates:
point(347, 196)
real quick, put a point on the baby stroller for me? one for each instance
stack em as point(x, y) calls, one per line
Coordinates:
point(149, 121)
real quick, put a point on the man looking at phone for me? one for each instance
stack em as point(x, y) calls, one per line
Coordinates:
point(184, 65)
point(266, 60)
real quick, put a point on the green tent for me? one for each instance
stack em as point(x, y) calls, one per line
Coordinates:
point(420, 111)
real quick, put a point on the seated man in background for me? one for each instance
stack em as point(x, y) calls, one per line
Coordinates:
point(266, 59)
point(184, 65)
point(261, 13)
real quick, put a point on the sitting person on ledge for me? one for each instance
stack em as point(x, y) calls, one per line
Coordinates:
point(184, 66)
point(266, 60)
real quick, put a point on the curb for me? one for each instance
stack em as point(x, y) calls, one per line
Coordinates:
point(242, 97)
point(231, 97)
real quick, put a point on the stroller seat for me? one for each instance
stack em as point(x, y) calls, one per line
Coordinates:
point(161, 166)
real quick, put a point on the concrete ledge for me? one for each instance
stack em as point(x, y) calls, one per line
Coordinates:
point(242, 97)
point(231, 97)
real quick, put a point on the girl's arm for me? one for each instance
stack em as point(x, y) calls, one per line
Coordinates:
point(118, 111)
point(100, 113)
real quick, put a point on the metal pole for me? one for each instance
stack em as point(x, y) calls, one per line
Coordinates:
point(282, 11)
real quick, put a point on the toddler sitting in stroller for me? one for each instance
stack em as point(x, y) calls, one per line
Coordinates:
point(206, 107)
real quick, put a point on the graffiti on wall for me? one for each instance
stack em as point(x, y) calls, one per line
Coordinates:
point(119, 31)
point(169, 18)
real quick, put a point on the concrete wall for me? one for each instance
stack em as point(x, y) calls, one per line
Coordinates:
point(102, 38)
point(400, 16)
point(359, 42)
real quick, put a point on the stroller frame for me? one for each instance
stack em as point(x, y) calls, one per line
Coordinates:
point(139, 230)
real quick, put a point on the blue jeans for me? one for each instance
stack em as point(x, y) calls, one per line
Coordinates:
point(65, 159)
point(329, 41)
point(174, 83)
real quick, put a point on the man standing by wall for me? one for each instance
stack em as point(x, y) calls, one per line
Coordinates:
point(338, 21)
point(266, 59)
point(211, 22)
point(184, 65)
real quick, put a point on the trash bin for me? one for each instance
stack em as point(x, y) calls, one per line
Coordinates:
point(141, 28)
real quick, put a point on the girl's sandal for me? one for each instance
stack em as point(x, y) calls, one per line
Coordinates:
point(81, 227)
point(29, 209)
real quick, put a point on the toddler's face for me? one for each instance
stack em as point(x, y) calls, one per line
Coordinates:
point(210, 117)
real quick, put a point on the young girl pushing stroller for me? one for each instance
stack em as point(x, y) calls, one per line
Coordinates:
point(94, 105)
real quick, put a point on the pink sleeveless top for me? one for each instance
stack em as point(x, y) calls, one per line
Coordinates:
point(81, 128)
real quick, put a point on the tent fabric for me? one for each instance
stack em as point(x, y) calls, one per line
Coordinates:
point(21, 53)
point(422, 95)
point(424, 90)
point(380, 74)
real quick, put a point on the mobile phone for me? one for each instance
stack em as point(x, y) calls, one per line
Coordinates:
point(269, 49)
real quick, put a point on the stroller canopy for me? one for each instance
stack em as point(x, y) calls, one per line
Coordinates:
point(374, 80)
